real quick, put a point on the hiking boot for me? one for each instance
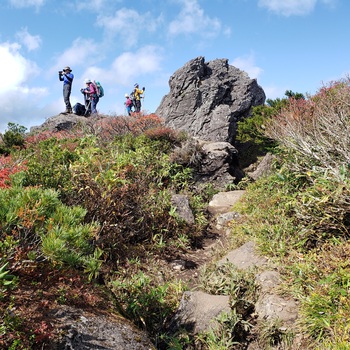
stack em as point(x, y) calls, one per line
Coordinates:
point(67, 111)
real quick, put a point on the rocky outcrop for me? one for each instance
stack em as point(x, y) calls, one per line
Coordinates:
point(206, 99)
point(81, 330)
point(219, 164)
point(60, 122)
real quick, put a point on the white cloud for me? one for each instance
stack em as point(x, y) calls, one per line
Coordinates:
point(129, 24)
point(17, 68)
point(289, 7)
point(273, 92)
point(293, 7)
point(94, 5)
point(79, 54)
point(247, 64)
point(192, 20)
point(18, 99)
point(27, 3)
point(32, 42)
point(128, 66)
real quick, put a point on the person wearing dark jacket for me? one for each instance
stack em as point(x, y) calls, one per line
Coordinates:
point(67, 77)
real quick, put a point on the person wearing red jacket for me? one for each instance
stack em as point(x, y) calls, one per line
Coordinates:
point(128, 104)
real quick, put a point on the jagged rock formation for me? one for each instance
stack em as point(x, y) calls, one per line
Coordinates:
point(206, 99)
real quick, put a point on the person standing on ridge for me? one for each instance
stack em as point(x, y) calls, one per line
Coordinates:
point(128, 104)
point(91, 91)
point(137, 93)
point(87, 101)
point(67, 77)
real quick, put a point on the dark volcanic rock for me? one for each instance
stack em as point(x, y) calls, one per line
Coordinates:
point(82, 330)
point(60, 122)
point(206, 99)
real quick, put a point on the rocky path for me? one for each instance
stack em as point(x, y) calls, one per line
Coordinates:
point(199, 309)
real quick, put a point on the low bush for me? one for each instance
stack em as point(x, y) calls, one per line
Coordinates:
point(37, 220)
point(316, 131)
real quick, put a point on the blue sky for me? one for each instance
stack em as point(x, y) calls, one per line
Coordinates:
point(296, 45)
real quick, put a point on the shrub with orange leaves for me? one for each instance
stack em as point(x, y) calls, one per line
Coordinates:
point(108, 127)
point(42, 136)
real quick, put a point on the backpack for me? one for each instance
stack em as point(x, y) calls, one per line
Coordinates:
point(99, 89)
point(132, 98)
point(79, 109)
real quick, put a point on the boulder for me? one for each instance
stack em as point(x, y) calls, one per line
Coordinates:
point(60, 122)
point(261, 168)
point(183, 209)
point(219, 165)
point(212, 162)
point(198, 310)
point(207, 99)
point(222, 202)
point(244, 257)
point(81, 329)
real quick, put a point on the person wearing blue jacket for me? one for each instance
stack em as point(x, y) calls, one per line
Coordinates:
point(67, 77)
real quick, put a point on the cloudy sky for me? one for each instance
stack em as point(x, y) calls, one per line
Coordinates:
point(296, 45)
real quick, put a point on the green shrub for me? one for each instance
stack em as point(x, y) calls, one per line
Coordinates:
point(7, 280)
point(229, 332)
point(37, 218)
point(252, 129)
point(147, 300)
point(12, 138)
point(49, 162)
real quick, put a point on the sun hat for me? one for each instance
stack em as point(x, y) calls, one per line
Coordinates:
point(126, 95)
point(87, 81)
point(67, 68)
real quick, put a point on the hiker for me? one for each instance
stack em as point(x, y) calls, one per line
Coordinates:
point(67, 77)
point(91, 91)
point(137, 93)
point(87, 101)
point(128, 104)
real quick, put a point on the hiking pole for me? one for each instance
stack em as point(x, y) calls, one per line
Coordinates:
point(87, 108)
point(143, 102)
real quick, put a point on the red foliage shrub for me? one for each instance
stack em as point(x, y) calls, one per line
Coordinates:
point(7, 168)
point(161, 133)
point(34, 139)
point(108, 127)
